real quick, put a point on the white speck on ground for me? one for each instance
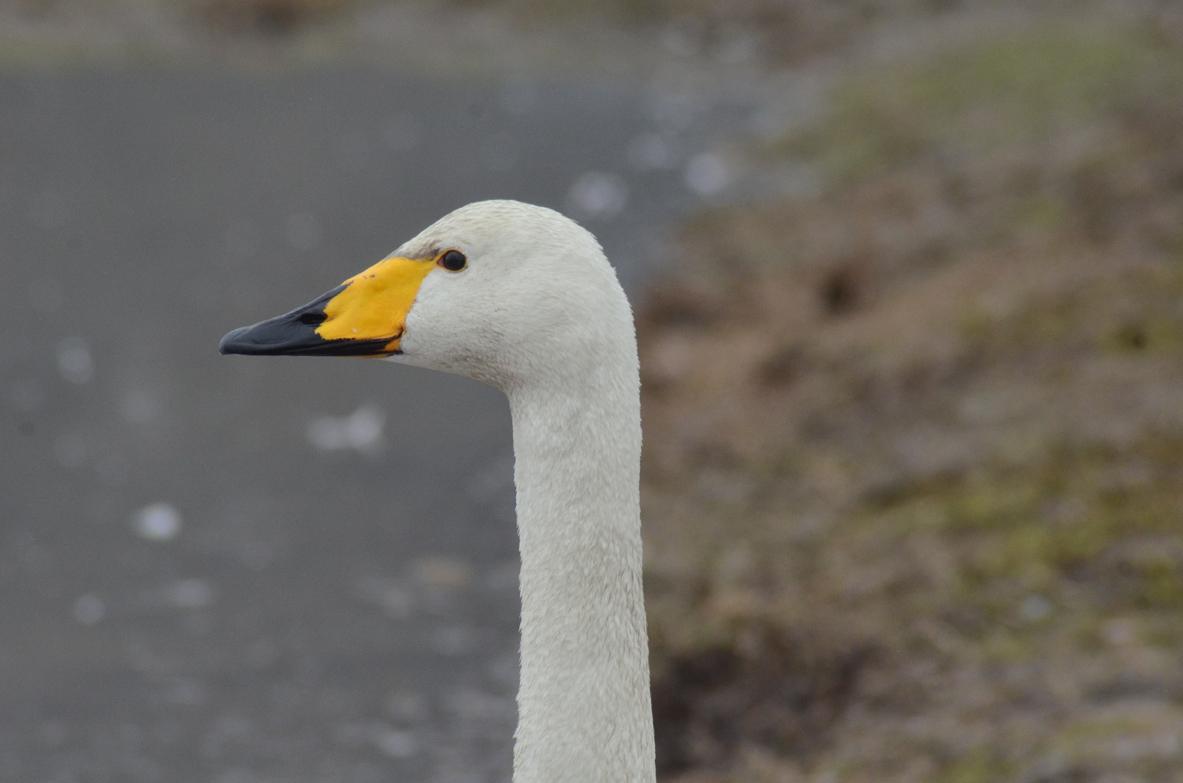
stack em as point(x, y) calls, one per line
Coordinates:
point(158, 522)
point(387, 594)
point(597, 196)
point(394, 743)
point(74, 360)
point(707, 174)
point(189, 594)
point(89, 609)
point(360, 431)
point(651, 152)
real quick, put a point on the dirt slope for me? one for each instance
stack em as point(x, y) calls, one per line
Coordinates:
point(914, 456)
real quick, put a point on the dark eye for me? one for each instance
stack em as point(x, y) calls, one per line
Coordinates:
point(453, 261)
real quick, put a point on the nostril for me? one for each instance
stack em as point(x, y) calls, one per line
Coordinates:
point(312, 319)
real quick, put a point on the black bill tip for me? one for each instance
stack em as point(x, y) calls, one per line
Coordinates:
point(226, 344)
point(294, 334)
point(236, 342)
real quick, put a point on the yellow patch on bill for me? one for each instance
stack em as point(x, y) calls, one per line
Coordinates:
point(375, 303)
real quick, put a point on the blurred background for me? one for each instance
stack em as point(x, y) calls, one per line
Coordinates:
point(909, 284)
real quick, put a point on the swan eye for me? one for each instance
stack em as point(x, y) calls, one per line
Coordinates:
point(453, 261)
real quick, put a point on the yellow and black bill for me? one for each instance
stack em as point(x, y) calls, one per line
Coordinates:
point(364, 316)
point(295, 334)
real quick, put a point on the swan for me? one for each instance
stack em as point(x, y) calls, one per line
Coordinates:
point(522, 298)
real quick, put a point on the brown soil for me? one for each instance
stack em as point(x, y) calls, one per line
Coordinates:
point(933, 413)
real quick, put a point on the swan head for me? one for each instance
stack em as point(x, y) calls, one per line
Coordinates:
point(500, 291)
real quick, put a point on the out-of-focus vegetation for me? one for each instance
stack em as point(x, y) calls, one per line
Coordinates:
point(914, 443)
point(269, 16)
point(776, 30)
point(763, 32)
point(783, 30)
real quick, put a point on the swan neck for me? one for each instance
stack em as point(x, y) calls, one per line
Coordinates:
point(584, 710)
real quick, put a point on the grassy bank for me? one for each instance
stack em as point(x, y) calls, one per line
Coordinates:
point(914, 467)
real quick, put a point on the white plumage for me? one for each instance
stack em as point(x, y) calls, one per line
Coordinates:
point(538, 312)
point(541, 316)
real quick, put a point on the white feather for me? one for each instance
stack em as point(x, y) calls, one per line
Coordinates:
point(539, 313)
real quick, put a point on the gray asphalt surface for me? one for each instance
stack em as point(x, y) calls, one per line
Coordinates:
point(232, 569)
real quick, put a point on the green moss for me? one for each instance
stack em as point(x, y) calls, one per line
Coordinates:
point(1043, 75)
point(1042, 211)
point(1090, 317)
point(1162, 585)
point(1063, 521)
point(860, 135)
point(998, 93)
point(1156, 333)
point(977, 766)
point(1089, 738)
point(559, 11)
